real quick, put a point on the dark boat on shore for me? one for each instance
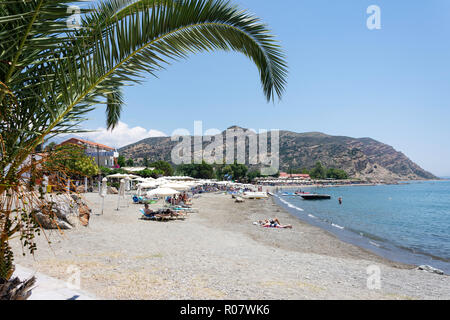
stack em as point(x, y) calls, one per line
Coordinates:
point(316, 196)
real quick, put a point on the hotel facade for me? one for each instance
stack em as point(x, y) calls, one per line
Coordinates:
point(104, 156)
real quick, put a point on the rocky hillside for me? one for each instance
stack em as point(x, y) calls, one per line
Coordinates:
point(362, 158)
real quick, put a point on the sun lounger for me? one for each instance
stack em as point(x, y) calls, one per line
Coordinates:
point(161, 216)
point(181, 208)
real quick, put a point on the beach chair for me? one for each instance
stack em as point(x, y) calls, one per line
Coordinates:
point(146, 217)
point(184, 209)
point(179, 214)
point(160, 217)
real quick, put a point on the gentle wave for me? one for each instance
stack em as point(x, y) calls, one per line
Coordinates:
point(374, 244)
point(388, 222)
point(337, 226)
point(290, 205)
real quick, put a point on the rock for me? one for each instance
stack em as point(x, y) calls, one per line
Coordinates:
point(62, 212)
point(67, 211)
point(430, 269)
point(84, 215)
point(84, 212)
point(44, 220)
point(47, 223)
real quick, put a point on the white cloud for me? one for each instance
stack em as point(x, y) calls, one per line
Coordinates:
point(122, 135)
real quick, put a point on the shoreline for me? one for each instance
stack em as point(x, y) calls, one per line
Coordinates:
point(390, 252)
point(365, 184)
point(218, 253)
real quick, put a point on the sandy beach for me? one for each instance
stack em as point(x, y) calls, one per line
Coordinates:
point(218, 253)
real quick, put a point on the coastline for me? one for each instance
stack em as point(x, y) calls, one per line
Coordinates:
point(218, 253)
point(373, 244)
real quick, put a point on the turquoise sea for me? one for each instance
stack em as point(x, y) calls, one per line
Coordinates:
point(409, 222)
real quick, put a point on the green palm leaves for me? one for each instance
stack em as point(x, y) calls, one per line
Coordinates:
point(146, 35)
point(58, 74)
point(52, 75)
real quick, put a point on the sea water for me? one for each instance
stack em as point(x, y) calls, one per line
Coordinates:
point(408, 222)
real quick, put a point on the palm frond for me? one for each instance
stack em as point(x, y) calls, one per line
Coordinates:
point(58, 75)
point(114, 106)
point(146, 40)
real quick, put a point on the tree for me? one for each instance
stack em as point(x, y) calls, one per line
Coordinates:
point(319, 171)
point(129, 163)
point(239, 171)
point(72, 161)
point(234, 171)
point(105, 171)
point(147, 173)
point(121, 161)
point(196, 170)
point(252, 175)
point(304, 171)
point(300, 171)
point(337, 174)
point(52, 75)
point(163, 166)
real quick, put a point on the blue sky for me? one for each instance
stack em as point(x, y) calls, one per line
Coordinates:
point(392, 84)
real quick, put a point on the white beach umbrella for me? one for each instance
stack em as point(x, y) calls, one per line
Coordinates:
point(180, 178)
point(162, 192)
point(132, 176)
point(176, 186)
point(148, 184)
point(117, 176)
point(140, 179)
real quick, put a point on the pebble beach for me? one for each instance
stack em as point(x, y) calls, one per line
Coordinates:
point(218, 253)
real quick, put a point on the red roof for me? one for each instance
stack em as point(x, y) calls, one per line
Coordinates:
point(294, 175)
point(81, 141)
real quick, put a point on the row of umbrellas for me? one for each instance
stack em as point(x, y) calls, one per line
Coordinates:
point(122, 176)
point(167, 186)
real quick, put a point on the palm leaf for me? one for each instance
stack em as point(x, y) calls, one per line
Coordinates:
point(58, 75)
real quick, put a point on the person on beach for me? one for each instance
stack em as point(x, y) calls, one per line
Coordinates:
point(147, 211)
point(273, 223)
point(172, 213)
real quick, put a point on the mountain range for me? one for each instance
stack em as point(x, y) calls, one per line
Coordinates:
point(361, 158)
